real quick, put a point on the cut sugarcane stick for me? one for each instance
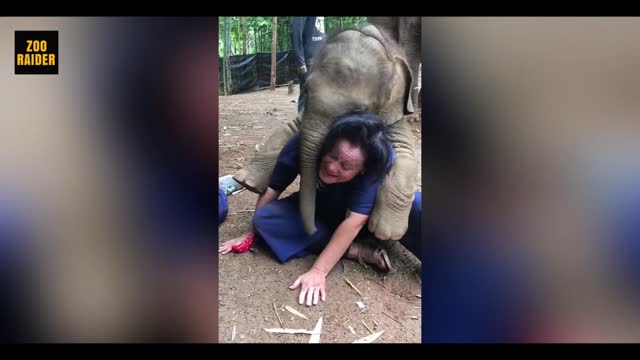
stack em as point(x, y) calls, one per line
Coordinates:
point(352, 331)
point(392, 318)
point(365, 325)
point(278, 315)
point(352, 286)
point(368, 339)
point(295, 312)
point(315, 338)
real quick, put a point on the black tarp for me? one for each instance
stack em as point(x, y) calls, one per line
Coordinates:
point(250, 72)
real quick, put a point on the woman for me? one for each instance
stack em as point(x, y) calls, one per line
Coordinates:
point(355, 157)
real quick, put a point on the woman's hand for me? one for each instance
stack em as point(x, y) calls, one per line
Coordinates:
point(313, 287)
point(238, 245)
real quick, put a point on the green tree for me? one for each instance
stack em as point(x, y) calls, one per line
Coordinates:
point(244, 35)
point(253, 34)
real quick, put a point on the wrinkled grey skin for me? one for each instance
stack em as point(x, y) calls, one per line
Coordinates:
point(357, 70)
point(407, 32)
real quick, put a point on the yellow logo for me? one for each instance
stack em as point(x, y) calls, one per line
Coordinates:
point(36, 52)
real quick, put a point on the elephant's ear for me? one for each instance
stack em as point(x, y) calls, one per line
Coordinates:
point(408, 103)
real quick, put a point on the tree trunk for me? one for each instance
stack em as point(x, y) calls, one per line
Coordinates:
point(227, 51)
point(255, 41)
point(279, 45)
point(224, 56)
point(283, 35)
point(230, 36)
point(265, 41)
point(287, 34)
point(239, 37)
point(244, 35)
point(274, 45)
point(233, 43)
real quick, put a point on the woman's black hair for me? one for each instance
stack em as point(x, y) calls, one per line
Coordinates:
point(366, 131)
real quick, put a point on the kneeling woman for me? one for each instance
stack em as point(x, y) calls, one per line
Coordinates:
point(353, 162)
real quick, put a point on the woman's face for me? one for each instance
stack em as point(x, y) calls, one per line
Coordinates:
point(342, 163)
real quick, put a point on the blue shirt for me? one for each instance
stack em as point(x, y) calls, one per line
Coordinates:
point(332, 201)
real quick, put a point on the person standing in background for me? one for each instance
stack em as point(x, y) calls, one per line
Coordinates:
point(307, 37)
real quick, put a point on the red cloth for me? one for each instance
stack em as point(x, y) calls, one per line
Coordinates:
point(244, 246)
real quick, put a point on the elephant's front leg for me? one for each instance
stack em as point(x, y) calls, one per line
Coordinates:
point(255, 176)
point(390, 216)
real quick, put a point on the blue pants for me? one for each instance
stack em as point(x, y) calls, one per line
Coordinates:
point(223, 206)
point(279, 224)
point(302, 96)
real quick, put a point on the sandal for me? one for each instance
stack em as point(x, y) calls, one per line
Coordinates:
point(385, 256)
point(245, 245)
point(377, 254)
point(229, 185)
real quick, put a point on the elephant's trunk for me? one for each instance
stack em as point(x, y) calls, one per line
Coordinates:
point(313, 131)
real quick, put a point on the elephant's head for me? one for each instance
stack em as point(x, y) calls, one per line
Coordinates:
point(357, 70)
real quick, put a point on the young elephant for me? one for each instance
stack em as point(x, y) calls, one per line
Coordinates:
point(357, 70)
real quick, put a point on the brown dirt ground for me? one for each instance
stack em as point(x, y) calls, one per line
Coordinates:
point(251, 283)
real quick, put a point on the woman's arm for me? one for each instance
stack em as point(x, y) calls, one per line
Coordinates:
point(266, 197)
point(340, 242)
point(313, 281)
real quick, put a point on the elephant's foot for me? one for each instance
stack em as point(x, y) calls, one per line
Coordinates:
point(415, 117)
point(251, 179)
point(390, 217)
point(254, 180)
point(389, 225)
